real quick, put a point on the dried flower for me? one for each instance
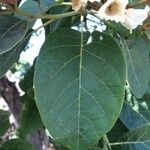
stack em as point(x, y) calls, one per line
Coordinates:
point(77, 4)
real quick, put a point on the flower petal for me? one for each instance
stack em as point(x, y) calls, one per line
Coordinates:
point(135, 17)
point(113, 10)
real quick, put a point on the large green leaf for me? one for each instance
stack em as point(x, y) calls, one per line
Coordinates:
point(17, 144)
point(4, 122)
point(12, 31)
point(137, 139)
point(137, 57)
point(79, 86)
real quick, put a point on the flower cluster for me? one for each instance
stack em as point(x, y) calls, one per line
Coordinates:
point(115, 10)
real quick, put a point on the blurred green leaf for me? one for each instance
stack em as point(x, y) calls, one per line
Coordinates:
point(4, 122)
point(79, 86)
point(17, 144)
point(30, 119)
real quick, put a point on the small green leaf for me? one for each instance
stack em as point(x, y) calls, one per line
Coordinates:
point(137, 58)
point(12, 31)
point(79, 86)
point(17, 144)
point(4, 122)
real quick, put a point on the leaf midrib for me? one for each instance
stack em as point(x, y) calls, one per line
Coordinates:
point(80, 76)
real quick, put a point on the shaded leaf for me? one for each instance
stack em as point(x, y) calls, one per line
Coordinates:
point(12, 31)
point(117, 131)
point(137, 139)
point(77, 97)
point(137, 58)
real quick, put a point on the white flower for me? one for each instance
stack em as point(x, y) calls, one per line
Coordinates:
point(113, 10)
point(135, 17)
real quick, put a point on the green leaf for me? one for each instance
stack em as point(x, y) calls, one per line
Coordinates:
point(9, 58)
point(30, 119)
point(137, 139)
point(79, 86)
point(17, 144)
point(12, 31)
point(4, 122)
point(132, 118)
point(137, 58)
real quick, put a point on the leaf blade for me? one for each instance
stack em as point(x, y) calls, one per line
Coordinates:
point(69, 77)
